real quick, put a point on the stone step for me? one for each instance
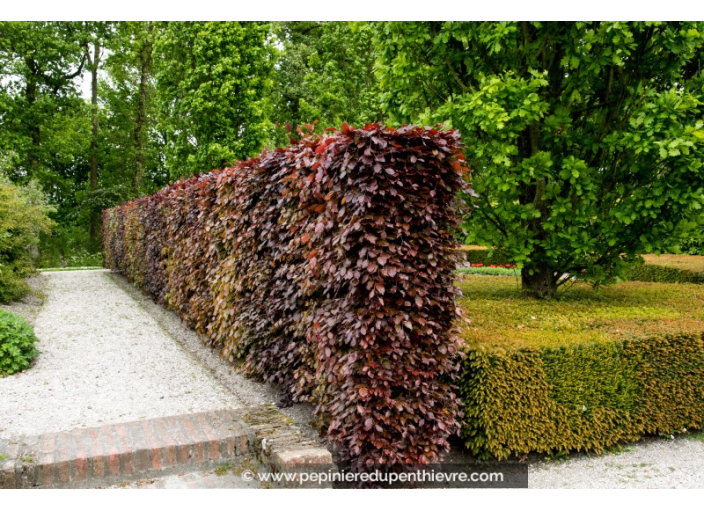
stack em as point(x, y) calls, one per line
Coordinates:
point(125, 451)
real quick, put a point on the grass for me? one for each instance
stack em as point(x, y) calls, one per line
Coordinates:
point(694, 263)
point(222, 469)
point(697, 436)
point(499, 317)
point(468, 247)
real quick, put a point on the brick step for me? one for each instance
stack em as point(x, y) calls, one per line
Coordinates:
point(125, 451)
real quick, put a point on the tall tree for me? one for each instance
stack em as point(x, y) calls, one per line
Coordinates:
point(132, 145)
point(145, 45)
point(98, 37)
point(324, 72)
point(212, 81)
point(39, 64)
point(585, 139)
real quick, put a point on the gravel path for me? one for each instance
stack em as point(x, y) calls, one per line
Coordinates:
point(109, 355)
point(248, 391)
point(651, 464)
point(103, 359)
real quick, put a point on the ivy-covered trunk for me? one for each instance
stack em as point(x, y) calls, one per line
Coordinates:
point(539, 280)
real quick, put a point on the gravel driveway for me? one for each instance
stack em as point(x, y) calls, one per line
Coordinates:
point(103, 359)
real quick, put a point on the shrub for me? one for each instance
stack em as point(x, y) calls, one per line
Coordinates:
point(491, 271)
point(663, 274)
point(68, 246)
point(482, 255)
point(582, 397)
point(17, 341)
point(581, 373)
point(328, 268)
point(23, 216)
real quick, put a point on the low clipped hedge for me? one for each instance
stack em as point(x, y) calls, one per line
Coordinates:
point(481, 255)
point(662, 274)
point(327, 267)
point(582, 374)
point(581, 398)
point(668, 269)
point(654, 268)
point(17, 349)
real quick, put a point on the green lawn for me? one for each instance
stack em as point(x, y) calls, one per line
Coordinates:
point(500, 317)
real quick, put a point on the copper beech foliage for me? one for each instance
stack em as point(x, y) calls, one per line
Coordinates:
point(327, 267)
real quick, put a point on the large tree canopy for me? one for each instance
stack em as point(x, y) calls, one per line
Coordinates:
point(39, 64)
point(585, 139)
point(324, 72)
point(211, 84)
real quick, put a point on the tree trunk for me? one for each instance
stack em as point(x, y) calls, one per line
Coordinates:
point(145, 62)
point(34, 130)
point(542, 284)
point(93, 183)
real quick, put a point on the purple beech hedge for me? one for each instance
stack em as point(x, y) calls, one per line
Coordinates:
point(327, 267)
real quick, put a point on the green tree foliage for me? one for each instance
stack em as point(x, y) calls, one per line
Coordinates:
point(132, 147)
point(211, 81)
point(23, 216)
point(324, 72)
point(44, 123)
point(585, 139)
point(39, 62)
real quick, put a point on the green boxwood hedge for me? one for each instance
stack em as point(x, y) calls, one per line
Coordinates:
point(481, 255)
point(582, 372)
point(645, 272)
point(581, 398)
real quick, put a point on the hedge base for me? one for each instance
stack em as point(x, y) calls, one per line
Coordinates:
point(581, 398)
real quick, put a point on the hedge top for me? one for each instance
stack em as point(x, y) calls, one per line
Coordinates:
point(500, 317)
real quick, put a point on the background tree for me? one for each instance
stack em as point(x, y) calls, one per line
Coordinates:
point(98, 35)
point(39, 65)
point(132, 147)
point(212, 79)
point(324, 72)
point(585, 139)
point(44, 122)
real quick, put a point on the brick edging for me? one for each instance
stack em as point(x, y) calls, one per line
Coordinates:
point(283, 447)
point(124, 451)
point(156, 447)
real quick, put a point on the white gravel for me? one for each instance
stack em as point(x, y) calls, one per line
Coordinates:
point(651, 464)
point(103, 359)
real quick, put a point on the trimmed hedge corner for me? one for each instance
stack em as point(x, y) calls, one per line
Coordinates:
point(328, 267)
point(481, 255)
point(582, 373)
